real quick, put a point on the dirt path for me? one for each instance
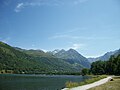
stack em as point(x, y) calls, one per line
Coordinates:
point(88, 86)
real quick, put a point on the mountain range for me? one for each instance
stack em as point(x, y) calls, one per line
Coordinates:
point(37, 61)
point(31, 61)
point(105, 57)
point(72, 56)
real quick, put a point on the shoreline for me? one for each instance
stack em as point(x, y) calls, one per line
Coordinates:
point(37, 74)
point(88, 86)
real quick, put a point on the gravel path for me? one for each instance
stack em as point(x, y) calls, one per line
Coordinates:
point(88, 86)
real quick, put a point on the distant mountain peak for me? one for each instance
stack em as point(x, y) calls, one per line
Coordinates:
point(55, 51)
point(62, 50)
point(105, 57)
point(72, 51)
point(72, 56)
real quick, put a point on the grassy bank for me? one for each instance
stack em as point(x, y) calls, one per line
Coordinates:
point(88, 81)
point(111, 85)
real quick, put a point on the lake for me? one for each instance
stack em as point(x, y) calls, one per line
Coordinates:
point(36, 82)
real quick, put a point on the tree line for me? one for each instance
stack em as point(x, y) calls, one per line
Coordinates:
point(110, 67)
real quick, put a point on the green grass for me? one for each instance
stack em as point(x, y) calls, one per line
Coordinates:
point(111, 85)
point(88, 81)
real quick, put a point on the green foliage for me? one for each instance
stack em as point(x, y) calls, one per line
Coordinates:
point(71, 84)
point(85, 71)
point(88, 81)
point(111, 67)
point(111, 85)
point(98, 67)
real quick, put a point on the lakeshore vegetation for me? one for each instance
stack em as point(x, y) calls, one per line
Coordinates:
point(111, 85)
point(88, 81)
point(100, 69)
point(110, 67)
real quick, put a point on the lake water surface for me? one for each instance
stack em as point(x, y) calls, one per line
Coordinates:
point(36, 82)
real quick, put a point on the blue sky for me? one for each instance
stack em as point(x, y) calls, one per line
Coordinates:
point(92, 27)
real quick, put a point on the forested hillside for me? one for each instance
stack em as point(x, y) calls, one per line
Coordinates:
point(110, 67)
point(20, 62)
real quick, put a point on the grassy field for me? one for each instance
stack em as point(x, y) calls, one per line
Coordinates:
point(88, 81)
point(111, 85)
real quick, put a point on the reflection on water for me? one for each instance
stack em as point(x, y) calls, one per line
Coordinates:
point(36, 82)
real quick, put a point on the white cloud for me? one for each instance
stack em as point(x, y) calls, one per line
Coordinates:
point(22, 5)
point(79, 1)
point(68, 37)
point(77, 46)
point(73, 37)
point(91, 56)
point(74, 30)
point(60, 36)
point(19, 7)
point(66, 33)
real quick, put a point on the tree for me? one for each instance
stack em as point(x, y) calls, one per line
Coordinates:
point(85, 71)
point(98, 67)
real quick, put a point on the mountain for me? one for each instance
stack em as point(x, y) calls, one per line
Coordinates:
point(73, 57)
point(105, 57)
point(91, 60)
point(117, 52)
point(53, 52)
point(20, 60)
point(35, 53)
